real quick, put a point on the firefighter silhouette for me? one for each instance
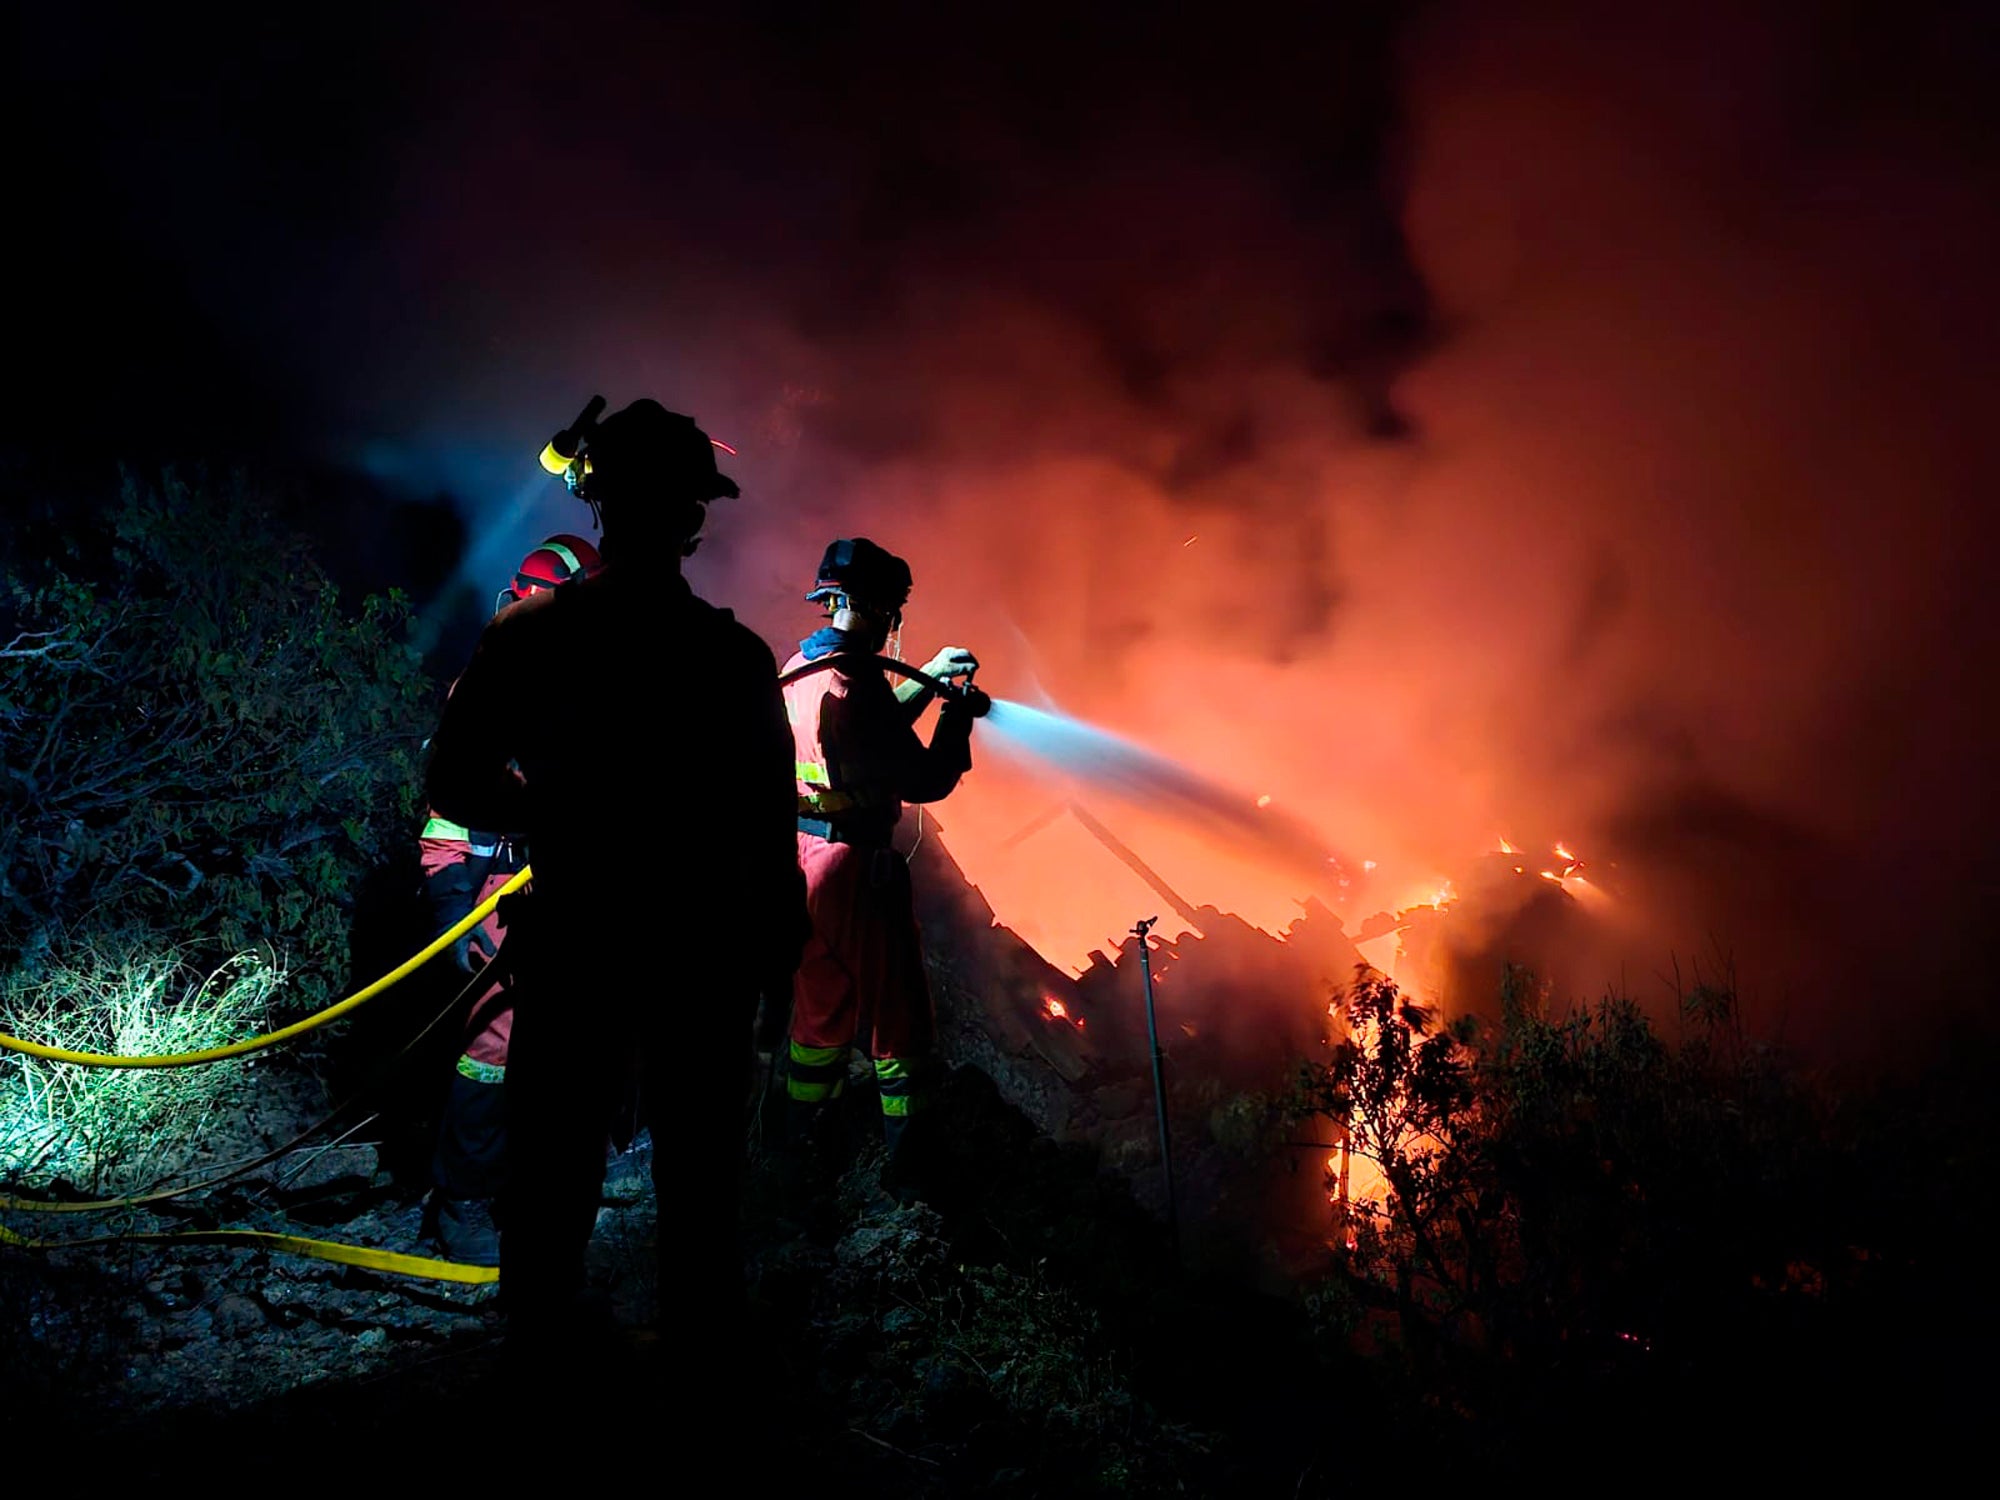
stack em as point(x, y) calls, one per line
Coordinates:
point(635, 736)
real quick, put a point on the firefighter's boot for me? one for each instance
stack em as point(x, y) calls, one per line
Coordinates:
point(910, 1168)
point(467, 1232)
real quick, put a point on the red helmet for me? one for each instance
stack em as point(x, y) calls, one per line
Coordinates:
point(557, 560)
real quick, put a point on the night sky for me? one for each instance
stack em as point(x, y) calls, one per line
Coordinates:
point(1455, 420)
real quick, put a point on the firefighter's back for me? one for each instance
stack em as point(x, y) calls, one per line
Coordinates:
point(657, 760)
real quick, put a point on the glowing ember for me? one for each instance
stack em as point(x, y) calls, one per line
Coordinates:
point(1265, 800)
point(1055, 1010)
point(1551, 875)
point(1564, 855)
point(1507, 848)
point(1192, 540)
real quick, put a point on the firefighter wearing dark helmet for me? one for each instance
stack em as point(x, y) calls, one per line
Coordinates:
point(859, 759)
point(653, 779)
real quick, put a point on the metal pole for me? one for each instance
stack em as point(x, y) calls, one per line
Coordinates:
point(1159, 1084)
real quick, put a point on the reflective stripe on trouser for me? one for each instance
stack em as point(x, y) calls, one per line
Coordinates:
point(903, 1085)
point(815, 1074)
point(481, 1072)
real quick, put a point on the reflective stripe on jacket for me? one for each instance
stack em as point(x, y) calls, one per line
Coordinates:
point(857, 757)
point(826, 789)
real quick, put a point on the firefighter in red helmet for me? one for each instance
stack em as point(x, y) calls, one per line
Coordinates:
point(655, 788)
point(859, 759)
point(461, 868)
point(557, 560)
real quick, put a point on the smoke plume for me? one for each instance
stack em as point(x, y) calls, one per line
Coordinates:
point(1548, 422)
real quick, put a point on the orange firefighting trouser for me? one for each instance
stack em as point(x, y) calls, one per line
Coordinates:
point(861, 976)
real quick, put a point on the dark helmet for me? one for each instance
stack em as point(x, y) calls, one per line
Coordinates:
point(656, 457)
point(646, 451)
point(856, 569)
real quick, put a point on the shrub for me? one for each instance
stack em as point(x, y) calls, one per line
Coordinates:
point(199, 742)
point(1565, 1196)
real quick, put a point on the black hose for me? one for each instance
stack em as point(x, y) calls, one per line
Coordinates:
point(851, 659)
point(856, 659)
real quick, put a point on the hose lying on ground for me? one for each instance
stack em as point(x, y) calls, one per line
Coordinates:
point(391, 1261)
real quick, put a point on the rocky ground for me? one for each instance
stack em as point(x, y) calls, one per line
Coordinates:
point(1025, 1329)
point(1001, 1338)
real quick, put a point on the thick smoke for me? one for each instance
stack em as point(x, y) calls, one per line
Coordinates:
point(1550, 422)
point(1604, 463)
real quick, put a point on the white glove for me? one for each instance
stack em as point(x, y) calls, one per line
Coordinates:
point(952, 661)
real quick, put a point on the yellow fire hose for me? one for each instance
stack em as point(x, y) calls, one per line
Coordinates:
point(286, 1244)
point(242, 1168)
point(289, 1244)
point(284, 1033)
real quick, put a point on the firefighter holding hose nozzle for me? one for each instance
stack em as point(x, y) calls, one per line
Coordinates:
point(859, 759)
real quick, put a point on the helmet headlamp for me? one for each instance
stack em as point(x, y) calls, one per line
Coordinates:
point(567, 453)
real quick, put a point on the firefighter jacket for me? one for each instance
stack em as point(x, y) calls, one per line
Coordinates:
point(461, 868)
point(651, 709)
point(857, 755)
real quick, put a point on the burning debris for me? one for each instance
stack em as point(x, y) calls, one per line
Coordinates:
point(1239, 1009)
point(1058, 1011)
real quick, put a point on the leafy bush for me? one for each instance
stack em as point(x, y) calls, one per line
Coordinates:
point(197, 741)
point(112, 1130)
point(1567, 1195)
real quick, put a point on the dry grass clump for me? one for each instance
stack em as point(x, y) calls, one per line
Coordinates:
point(112, 1130)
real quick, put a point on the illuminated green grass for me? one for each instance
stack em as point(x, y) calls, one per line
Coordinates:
point(114, 1130)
